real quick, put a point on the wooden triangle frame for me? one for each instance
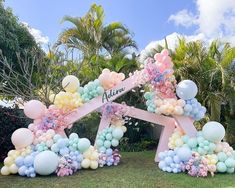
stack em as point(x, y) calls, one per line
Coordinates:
point(168, 123)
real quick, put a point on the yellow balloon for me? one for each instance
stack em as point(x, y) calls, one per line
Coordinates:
point(70, 83)
point(94, 165)
point(94, 156)
point(85, 163)
point(8, 161)
point(5, 171)
point(11, 152)
point(13, 169)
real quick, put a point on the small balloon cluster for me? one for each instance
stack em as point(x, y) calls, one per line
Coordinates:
point(53, 119)
point(25, 165)
point(197, 166)
point(194, 109)
point(114, 112)
point(201, 155)
point(108, 79)
point(70, 99)
point(91, 90)
point(163, 90)
point(109, 137)
point(109, 158)
point(173, 160)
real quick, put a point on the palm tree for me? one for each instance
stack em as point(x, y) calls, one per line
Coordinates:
point(92, 37)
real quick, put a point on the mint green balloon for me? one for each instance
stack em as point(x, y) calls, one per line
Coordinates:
point(200, 139)
point(206, 148)
point(192, 142)
point(206, 143)
point(83, 144)
point(222, 156)
point(99, 143)
point(107, 144)
point(46, 162)
point(117, 133)
point(185, 138)
point(212, 146)
point(230, 163)
point(221, 167)
point(102, 149)
point(201, 151)
point(109, 136)
point(115, 142)
point(230, 170)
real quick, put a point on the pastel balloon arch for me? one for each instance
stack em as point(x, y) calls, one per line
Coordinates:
point(43, 148)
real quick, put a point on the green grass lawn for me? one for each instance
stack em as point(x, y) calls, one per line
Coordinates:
point(137, 169)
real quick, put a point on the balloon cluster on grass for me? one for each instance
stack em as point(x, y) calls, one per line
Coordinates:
point(172, 160)
point(91, 90)
point(109, 158)
point(205, 153)
point(109, 137)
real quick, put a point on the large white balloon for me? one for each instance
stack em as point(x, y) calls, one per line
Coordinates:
point(186, 89)
point(70, 83)
point(46, 162)
point(213, 131)
point(22, 138)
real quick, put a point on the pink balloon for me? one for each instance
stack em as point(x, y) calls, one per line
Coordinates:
point(22, 138)
point(165, 52)
point(31, 127)
point(158, 57)
point(34, 109)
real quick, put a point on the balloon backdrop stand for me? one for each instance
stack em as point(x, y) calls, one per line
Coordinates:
point(43, 148)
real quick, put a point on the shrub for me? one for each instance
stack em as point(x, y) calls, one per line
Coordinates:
point(10, 120)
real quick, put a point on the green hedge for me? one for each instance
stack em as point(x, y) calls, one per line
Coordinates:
point(10, 120)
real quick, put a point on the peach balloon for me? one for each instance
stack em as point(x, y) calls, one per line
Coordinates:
point(34, 109)
point(22, 138)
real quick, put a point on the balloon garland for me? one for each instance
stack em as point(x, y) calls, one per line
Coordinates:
point(44, 149)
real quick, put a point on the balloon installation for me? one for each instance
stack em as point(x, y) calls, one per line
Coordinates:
point(44, 149)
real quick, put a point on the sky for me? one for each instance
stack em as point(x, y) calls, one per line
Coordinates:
point(149, 20)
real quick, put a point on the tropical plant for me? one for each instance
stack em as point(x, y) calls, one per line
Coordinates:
point(212, 68)
point(92, 37)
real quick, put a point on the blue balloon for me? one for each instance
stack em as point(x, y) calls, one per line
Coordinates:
point(61, 143)
point(186, 89)
point(109, 151)
point(162, 164)
point(168, 160)
point(28, 161)
point(176, 159)
point(55, 148)
point(171, 153)
point(161, 155)
point(19, 161)
point(64, 151)
point(22, 170)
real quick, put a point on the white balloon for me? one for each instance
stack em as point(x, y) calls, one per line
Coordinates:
point(213, 131)
point(186, 89)
point(70, 83)
point(46, 162)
